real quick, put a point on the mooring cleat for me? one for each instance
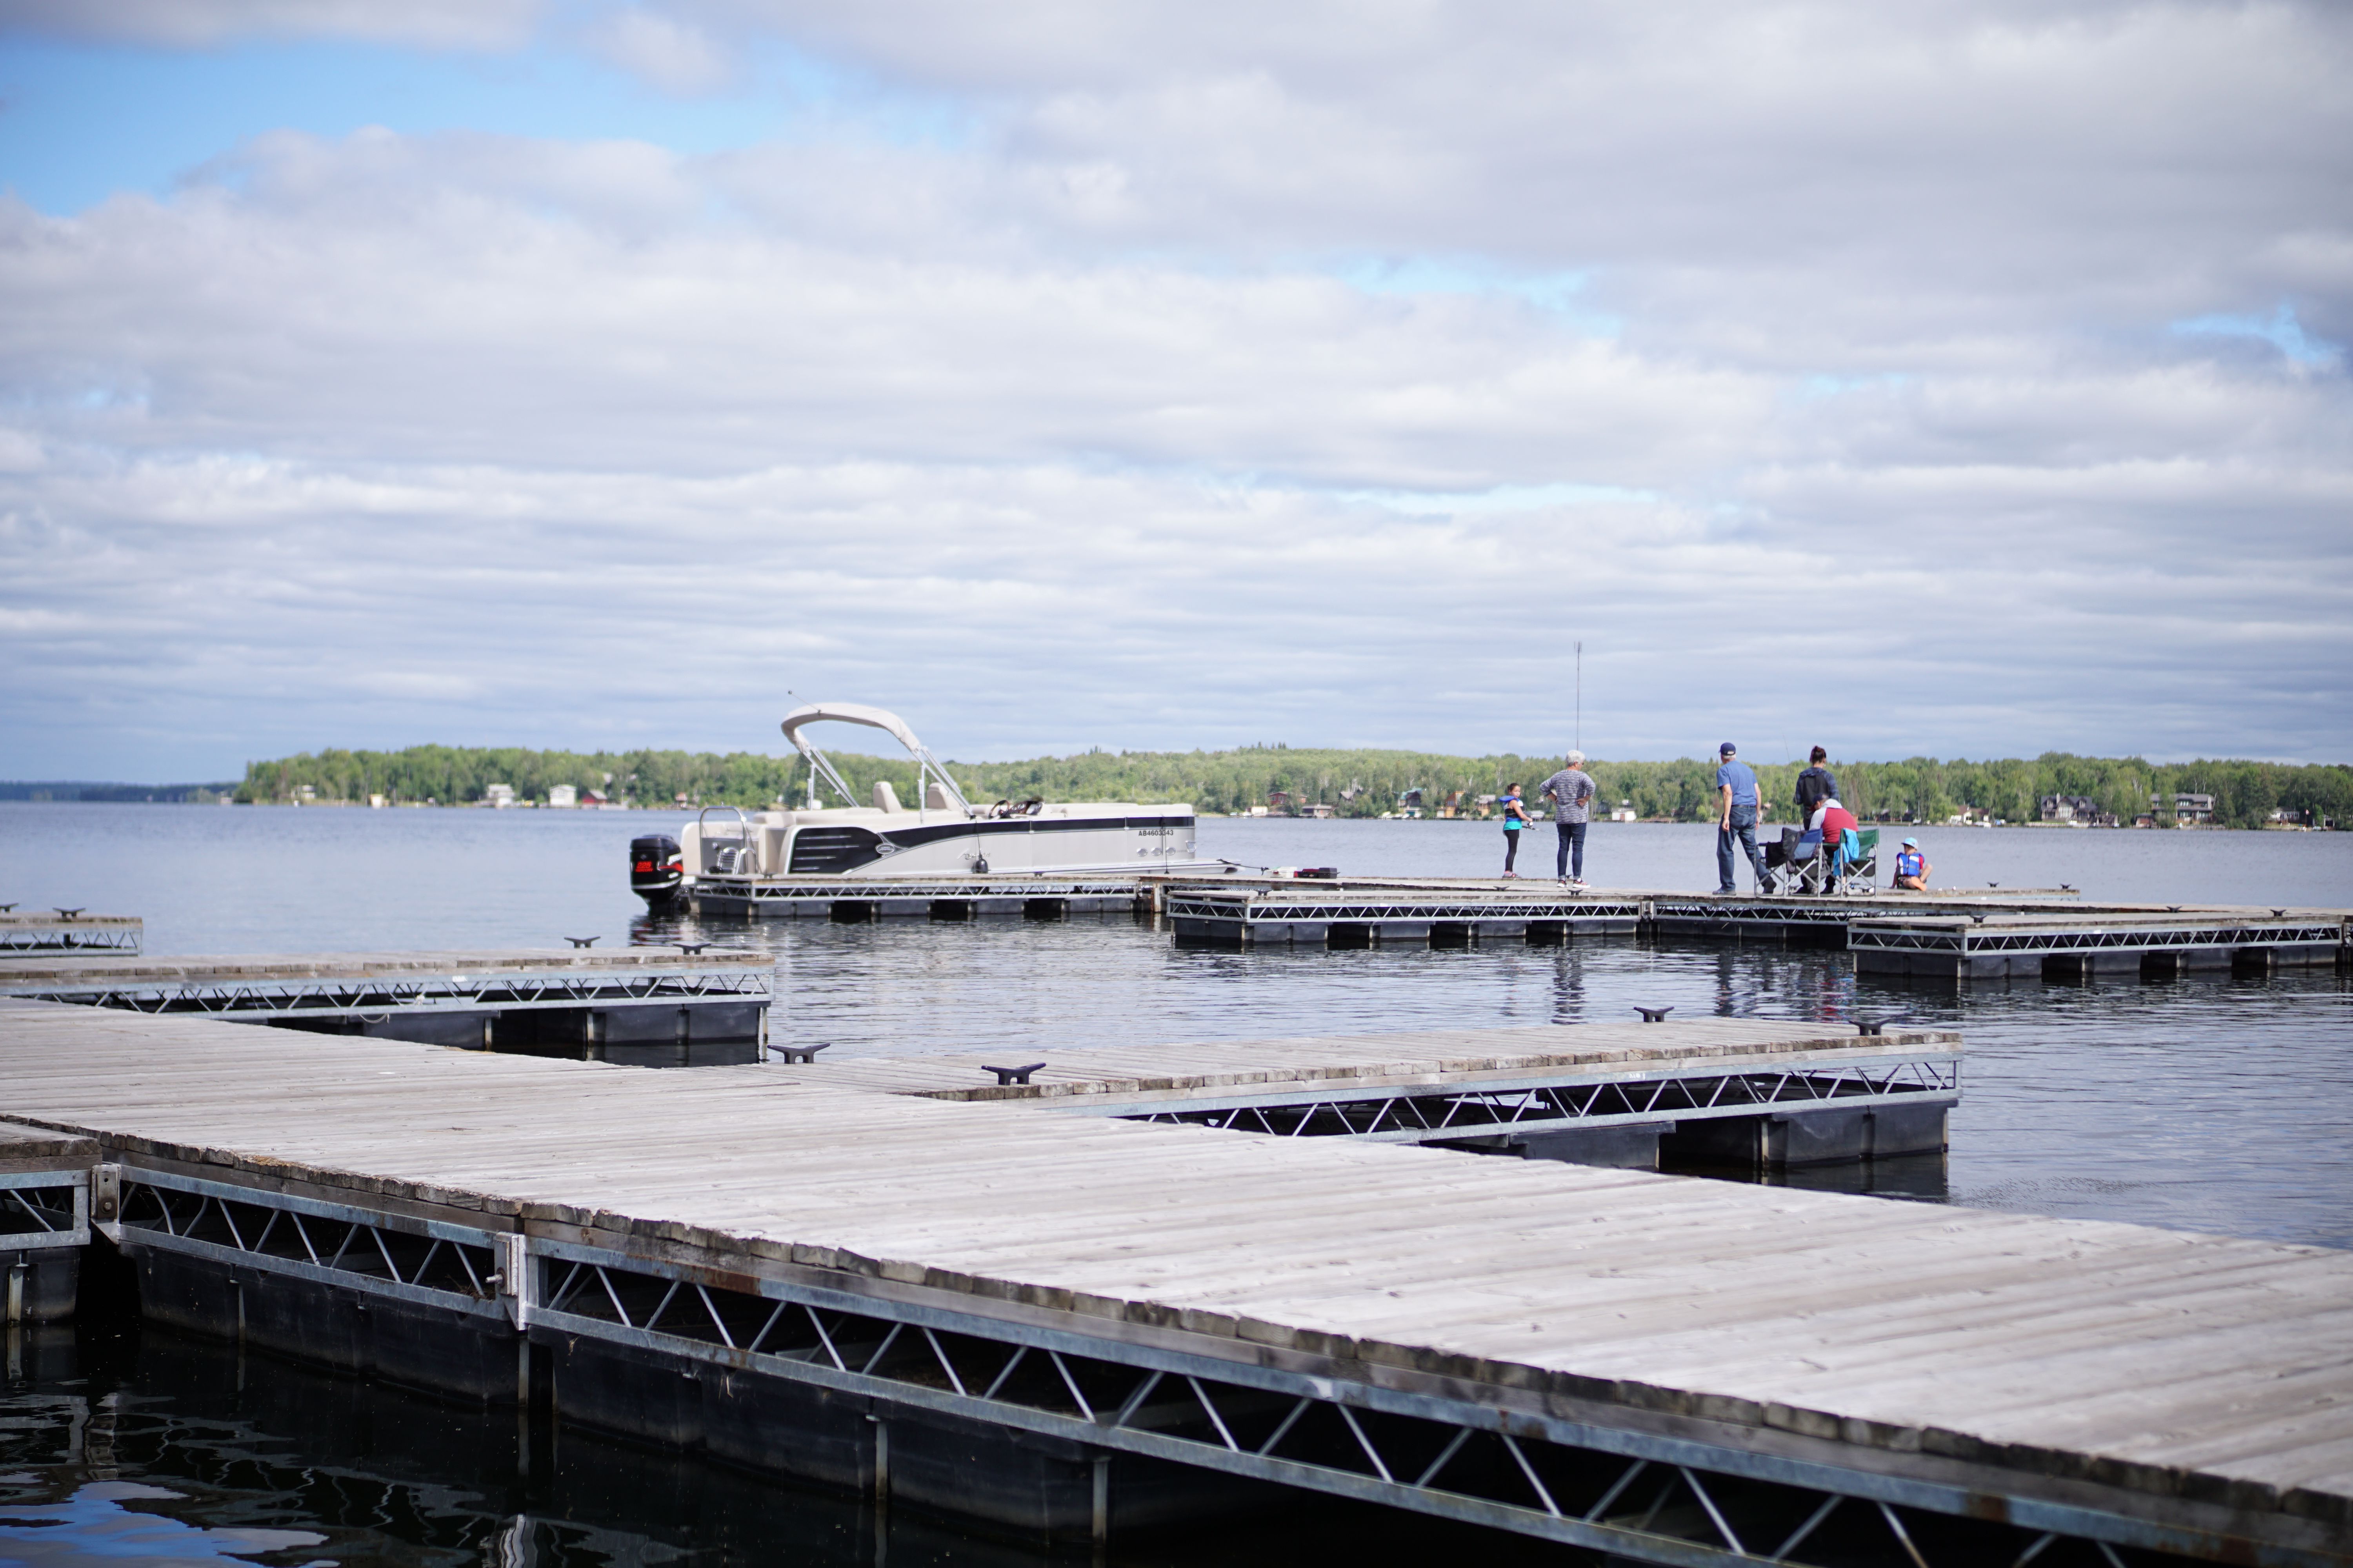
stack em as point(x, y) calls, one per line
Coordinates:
point(1012, 1075)
point(581, 940)
point(71, 913)
point(799, 1053)
point(691, 948)
point(1655, 1014)
point(1875, 1025)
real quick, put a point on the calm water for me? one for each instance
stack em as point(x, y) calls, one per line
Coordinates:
point(2212, 1104)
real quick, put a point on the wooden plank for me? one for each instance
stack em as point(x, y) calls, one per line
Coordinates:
point(2002, 1329)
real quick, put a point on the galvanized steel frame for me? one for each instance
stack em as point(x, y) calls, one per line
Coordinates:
point(1257, 907)
point(45, 1197)
point(1426, 1113)
point(935, 889)
point(177, 1207)
point(19, 938)
point(509, 990)
point(1376, 1444)
point(1970, 939)
point(1686, 1501)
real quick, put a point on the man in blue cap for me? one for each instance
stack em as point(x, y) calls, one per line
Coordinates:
point(1736, 817)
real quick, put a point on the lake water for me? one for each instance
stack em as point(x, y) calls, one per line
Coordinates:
point(2213, 1103)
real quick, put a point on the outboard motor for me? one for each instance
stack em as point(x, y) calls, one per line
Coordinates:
point(656, 868)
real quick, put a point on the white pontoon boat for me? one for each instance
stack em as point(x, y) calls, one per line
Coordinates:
point(941, 835)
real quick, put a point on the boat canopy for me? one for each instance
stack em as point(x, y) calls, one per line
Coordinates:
point(927, 766)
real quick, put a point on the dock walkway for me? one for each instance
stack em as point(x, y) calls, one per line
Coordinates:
point(1597, 1093)
point(52, 932)
point(898, 1292)
point(620, 996)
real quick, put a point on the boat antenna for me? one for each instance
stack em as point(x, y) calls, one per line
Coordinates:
point(1576, 736)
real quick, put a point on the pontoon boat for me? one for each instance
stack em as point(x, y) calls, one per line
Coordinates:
point(942, 835)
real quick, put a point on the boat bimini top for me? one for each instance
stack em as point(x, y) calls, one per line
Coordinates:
point(929, 775)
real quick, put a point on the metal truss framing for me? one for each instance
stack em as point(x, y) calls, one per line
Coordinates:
point(1965, 939)
point(59, 938)
point(1256, 908)
point(1641, 1496)
point(426, 1262)
point(42, 1209)
point(1802, 910)
point(1426, 1113)
point(1114, 889)
point(339, 996)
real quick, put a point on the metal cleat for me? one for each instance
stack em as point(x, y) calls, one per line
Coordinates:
point(1012, 1075)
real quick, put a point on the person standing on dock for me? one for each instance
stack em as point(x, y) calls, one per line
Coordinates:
point(1736, 818)
point(1515, 817)
point(1815, 785)
point(1571, 791)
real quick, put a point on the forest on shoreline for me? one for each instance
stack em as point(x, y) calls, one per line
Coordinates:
point(1353, 783)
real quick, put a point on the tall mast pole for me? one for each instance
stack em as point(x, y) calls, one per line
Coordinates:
point(1576, 737)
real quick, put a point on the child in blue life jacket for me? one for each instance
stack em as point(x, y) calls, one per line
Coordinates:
point(1515, 817)
point(1912, 868)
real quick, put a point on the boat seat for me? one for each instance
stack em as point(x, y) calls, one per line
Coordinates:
point(935, 797)
point(885, 797)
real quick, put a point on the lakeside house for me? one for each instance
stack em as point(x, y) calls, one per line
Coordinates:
point(2075, 811)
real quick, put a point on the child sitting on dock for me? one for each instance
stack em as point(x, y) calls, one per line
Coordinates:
point(1912, 868)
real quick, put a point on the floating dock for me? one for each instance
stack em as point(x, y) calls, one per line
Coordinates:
point(2084, 944)
point(849, 898)
point(1728, 1091)
point(1075, 1325)
point(49, 933)
point(627, 998)
point(1977, 936)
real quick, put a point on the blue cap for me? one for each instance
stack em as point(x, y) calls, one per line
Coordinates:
point(1726, 749)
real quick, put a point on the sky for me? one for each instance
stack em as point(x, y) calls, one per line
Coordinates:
point(1952, 379)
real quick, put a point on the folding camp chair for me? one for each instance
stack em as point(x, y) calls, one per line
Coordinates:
point(1853, 862)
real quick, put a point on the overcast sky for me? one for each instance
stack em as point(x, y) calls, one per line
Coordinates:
point(1967, 379)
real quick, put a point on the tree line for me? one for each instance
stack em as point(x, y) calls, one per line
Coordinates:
point(1353, 783)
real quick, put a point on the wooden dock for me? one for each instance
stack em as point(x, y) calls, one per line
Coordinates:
point(2129, 941)
point(1014, 895)
point(1718, 1090)
point(48, 933)
point(619, 998)
point(1943, 936)
point(1066, 1324)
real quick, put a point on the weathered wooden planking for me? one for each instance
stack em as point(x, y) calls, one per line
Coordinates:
point(52, 971)
point(2059, 1346)
point(1436, 1057)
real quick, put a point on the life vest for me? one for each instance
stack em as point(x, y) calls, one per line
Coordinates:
point(1909, 862)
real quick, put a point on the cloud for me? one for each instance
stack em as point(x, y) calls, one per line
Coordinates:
point(674, 56)
point(196, 24)
point(2281, 330)
point(1908, 382)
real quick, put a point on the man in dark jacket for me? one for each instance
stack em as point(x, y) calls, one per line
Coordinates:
point(1815, 785)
